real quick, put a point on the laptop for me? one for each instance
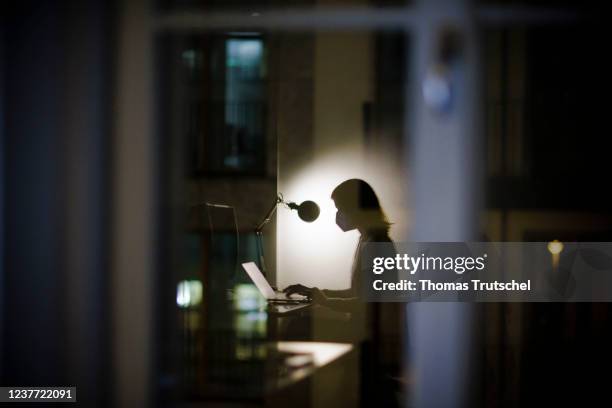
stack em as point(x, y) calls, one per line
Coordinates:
point(266, 290)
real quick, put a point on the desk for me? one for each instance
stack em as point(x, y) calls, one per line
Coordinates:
point(246, 358)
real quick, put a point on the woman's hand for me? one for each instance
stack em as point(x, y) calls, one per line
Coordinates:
point(299, 289)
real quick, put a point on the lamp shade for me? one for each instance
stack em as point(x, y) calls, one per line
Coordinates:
point(308, 211)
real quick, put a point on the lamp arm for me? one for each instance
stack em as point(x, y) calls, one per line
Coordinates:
point(259, 234)
point(268, 217)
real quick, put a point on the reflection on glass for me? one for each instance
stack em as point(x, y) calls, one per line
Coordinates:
point(221, 89)
point(247, 298)
point(189, 293)
point(250, 322)
point(244, 103)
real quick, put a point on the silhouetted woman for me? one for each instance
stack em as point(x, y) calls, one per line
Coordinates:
point(357, 208)
point(378, 324)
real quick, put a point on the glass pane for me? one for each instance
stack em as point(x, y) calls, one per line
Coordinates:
point(231, 68)
point(251, 119)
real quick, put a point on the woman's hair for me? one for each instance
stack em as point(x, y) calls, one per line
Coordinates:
point(357, 198)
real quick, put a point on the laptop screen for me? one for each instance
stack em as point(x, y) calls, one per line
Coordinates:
point(259, 280)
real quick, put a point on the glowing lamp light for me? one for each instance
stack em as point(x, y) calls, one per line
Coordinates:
point(555, 247)
point(189, 293)
point(319, 253)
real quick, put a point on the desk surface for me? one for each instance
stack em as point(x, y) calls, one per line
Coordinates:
point(243, 359)
point(322, 353)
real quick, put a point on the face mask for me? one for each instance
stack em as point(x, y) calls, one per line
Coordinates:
point(343, 222)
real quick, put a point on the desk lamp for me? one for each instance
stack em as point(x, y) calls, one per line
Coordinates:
point(308, 211)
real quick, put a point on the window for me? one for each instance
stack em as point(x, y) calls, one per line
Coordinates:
point(220, 90)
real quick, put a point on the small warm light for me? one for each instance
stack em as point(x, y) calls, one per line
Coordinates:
point(555, 247)
point(189, 293)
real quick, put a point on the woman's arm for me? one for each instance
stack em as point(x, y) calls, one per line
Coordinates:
point(299, 289)
point(340, 293)
point(348, 304)
point(305, 290)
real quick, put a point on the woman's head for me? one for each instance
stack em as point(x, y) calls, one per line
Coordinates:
point(358, 207)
